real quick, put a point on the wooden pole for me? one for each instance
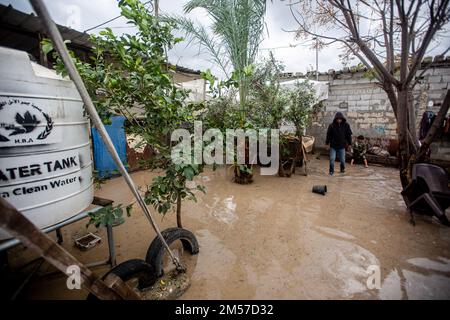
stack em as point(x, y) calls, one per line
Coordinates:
point(18, 226)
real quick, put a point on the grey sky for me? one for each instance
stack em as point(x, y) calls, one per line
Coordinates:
point(278, 17)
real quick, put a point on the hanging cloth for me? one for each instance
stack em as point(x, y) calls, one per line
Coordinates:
point(425, 123)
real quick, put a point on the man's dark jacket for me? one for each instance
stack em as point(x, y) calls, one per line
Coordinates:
point(339, 135)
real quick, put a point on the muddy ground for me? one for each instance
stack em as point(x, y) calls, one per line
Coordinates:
point(275, 239)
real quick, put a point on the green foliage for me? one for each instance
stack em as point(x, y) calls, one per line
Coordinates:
point(268, 104)
point(129, 75)
point(223, 112)
point(221, 87)
point(165, 190)
point(300, 107)
point(267, 101)
point(237, 27)
point(108, 215)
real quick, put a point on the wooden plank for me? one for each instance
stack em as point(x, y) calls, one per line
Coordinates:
point(17, 225)
point(102, 201)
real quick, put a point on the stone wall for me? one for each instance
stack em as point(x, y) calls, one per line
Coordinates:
point(367, 107)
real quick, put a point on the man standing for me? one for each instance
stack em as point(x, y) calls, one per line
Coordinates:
point(339, 136)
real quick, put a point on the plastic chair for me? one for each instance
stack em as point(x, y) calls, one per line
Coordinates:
point(428, 193)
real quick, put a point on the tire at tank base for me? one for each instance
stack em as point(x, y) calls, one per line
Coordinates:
point(130, 269)
point(156, 250)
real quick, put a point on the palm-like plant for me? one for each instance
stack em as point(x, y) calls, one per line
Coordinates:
point(237, 27)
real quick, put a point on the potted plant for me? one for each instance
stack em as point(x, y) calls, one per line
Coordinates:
point(298, 112)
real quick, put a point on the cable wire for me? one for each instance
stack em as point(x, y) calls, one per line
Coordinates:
point(115, 18)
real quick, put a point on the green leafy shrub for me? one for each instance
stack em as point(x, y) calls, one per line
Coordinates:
point(129, 75)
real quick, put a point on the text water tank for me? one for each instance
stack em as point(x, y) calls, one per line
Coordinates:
point(45, 158)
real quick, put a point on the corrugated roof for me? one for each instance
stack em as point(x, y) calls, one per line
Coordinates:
point(18, 26)
point(186, 70)
point(19, 30)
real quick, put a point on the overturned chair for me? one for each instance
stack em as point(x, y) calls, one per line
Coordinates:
point(428, 193)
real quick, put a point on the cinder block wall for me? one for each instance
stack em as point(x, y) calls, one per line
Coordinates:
point(367, 107)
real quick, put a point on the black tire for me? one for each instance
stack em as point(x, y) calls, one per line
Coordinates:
point(130, 269)
point(155, 252)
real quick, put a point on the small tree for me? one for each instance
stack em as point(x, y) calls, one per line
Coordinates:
point(237, 33)
point(300, 107)
point(267, 100)
point(129, 75)
point(391, 38)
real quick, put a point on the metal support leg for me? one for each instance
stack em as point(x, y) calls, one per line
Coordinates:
point(28, 278)
point(412, 220)
point(4, 265)
point(112, 250)
point(5, 276)
point(59, 236)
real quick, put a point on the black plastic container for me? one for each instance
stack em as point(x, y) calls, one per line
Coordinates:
point(320, 189)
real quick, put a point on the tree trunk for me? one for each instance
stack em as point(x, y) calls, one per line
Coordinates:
point(409, 150)
point(402, 132)
point(412, 125)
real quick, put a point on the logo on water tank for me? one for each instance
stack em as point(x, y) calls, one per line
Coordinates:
point(23, 123)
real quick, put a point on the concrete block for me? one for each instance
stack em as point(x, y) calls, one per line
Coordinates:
point(364, 80)
point(389, 115)
point(365, 96)
point(379, 96)
point(351, 97)
point(377, 120)
point(361, 108)
point(377, 114)
point(434, 79)
point(427, 72)
point(377, 107)
point(363, 103)
point(343, 105)
point(367, 107)
point(332, 108)
point(392, 134)
point(438, 86)
point(332, 96)
point(360, 120)
point(436, 96)
point(361, 113)
point(392, 126)
point(441, 71)
point(364, 126)
point(446, 78)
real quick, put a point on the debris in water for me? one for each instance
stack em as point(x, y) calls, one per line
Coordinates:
point(171, 286)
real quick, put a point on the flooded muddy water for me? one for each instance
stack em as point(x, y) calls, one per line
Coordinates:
point(275, 239)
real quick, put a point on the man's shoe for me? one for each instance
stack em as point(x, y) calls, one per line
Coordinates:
point(331, 173)
point(342, 170)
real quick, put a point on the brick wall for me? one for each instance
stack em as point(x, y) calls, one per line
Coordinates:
point(367, 107)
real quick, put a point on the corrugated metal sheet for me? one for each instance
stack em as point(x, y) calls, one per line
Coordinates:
point(14, 22)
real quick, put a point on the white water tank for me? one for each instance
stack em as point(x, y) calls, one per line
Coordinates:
point(45, 158)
